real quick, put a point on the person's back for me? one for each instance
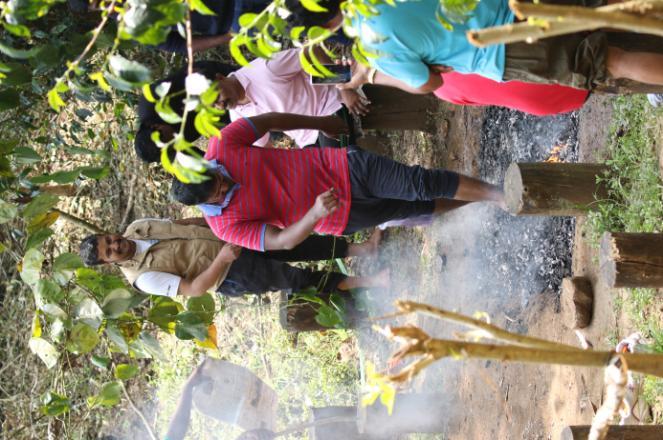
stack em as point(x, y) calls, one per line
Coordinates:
point(281, 85)
point(276, 186)
point(411, 38)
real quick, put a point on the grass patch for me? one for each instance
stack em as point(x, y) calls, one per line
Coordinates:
point(635, 204)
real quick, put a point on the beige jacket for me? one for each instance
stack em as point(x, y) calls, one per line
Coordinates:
point(184, 250)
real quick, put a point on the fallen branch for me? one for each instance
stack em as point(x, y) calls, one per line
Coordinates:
point(94, 229)
point(561, 20)
point(138, 412)
point(489, 330)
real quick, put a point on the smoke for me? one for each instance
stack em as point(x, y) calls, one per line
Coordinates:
point(476, 258)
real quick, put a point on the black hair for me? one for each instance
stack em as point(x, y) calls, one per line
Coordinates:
point(78, 6)
point(300, 16)
point(193, 193)
point(145, 148)
point(89, 251)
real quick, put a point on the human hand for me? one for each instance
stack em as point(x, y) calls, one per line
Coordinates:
point(230, 252)
point(357, 104)
point(334, 126)
point(359, 76)
point(325, 203)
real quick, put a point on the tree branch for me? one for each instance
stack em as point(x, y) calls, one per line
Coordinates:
point(90, 227)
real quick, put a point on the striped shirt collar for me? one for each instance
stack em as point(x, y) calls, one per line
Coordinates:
point(213, 209)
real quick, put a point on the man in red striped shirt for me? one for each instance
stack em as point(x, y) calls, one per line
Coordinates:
point(269, 199)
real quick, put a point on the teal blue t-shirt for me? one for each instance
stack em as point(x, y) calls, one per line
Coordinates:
point(408, 37)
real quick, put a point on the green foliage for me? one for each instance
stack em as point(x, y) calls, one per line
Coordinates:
point(330, 313)
point(108, 396)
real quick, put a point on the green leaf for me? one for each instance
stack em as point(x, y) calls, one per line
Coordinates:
point(203, 306)
point(89, 312)
point(67, 261)
point(199, 6)
point(147, 93)
point(125, 371)
point(31, 266)
point(82, 339)
point(166, 112)
point(47, 291)
point(9, 99)
point(26, 155)
point(18, 53)
point(54, 404)
point(108, 396)
point(236, 52)
point(115, 336)
point(17, 29)
point(327, 317)
point(55, 100)
point(132, 72)
point(96, 173)
point(38, 238)
point(307, 66)
point(45, 350)
point(42, 221)
point(53, 310)
point(7, 211)
point(98, 283)
point(189, 326)
point(8, 145)
point(246, 19)
point(116, 303)
point(99, 78)
point(100, 362)
point(149, 345)
point(296, 32)
point(206, 124)
point(40, 204)
point(312, 5)
point(36, 325)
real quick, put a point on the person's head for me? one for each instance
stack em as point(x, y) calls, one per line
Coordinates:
point(106, 248)
point(146, 149)
point(213, 190)
point(300, 16)
point(231, 92)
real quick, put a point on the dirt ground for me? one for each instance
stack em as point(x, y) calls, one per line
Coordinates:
point(483, 399)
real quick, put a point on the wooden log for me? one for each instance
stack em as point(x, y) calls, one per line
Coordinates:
point(615, 432)
point(394, 109)
point(553, 188)
point(299, 316)
point(577, 301)
point(632, 259)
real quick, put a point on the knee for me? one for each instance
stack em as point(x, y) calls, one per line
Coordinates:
point(615, 62)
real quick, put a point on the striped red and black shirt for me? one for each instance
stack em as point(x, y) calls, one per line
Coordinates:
point(277, 186)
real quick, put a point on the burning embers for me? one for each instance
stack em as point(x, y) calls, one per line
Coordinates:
point(557, 152)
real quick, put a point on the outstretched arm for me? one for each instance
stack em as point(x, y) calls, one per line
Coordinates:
point(288, 238)
point(331, 125)
point(197, 221)
point(205, 280)
point(179, 424)
point(362, 73)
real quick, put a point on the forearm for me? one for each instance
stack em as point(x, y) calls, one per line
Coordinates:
point(199, 44)
point(198, 221)
point(434, 82)
point(206, 279)
point(290, 121)
point(179, 424)
point(290, 237)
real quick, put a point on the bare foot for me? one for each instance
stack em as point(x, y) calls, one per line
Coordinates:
point(367, 248)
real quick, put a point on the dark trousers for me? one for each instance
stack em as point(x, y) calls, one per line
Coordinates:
point(260, 272)
point(383, 189)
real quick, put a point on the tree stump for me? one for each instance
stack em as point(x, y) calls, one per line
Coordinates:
point(577, 302)
point(632, 259)
point(557, 188)
point(299, 316)
point(626, 432)
point(394, 109)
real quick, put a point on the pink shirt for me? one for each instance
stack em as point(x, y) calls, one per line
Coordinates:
point(536, 99)
point(280, 85)
point(277, 186)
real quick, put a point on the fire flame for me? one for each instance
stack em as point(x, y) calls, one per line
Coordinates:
point(556, 152)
